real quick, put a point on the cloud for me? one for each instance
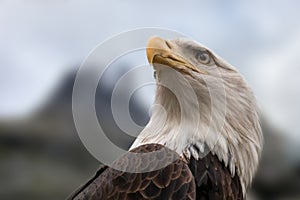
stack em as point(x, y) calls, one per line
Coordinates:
point(278, 84)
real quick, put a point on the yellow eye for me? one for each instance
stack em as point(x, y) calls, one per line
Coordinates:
point(203, 57)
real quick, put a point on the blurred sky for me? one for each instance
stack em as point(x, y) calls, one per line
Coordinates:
point(41, 41)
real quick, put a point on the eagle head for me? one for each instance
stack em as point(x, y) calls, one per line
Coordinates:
point(202, 104)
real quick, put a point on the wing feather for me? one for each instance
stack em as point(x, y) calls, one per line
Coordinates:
point(213, 179)
point(175, 181)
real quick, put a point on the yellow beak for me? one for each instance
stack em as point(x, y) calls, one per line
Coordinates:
point(161, 51)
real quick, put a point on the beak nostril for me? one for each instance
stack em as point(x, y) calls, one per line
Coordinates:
point(168, 44)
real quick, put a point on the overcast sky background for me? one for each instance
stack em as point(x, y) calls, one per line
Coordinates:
point(41, 41)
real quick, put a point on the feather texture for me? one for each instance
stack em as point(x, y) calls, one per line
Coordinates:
point(175, 181)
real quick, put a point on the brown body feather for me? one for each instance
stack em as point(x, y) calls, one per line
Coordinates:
point(214, 180)
point(205, 178)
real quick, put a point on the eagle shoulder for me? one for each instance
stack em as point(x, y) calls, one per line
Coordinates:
point(175, 181)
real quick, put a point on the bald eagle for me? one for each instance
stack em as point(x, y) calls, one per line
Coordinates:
point(204, 117)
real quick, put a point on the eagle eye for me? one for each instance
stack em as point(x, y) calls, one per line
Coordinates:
point(203, 57)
